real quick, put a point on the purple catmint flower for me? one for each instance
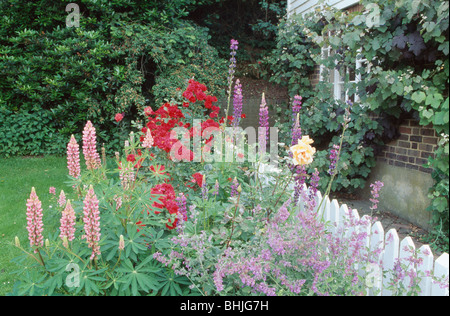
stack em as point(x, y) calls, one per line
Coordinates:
point(181, 203)
point(283, 212)
point(237, 103)
point(376, 187)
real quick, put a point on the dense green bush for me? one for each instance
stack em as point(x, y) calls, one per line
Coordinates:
point(122, 57)
point(29, 133)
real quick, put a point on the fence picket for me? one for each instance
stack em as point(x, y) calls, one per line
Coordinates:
point(377, 247)
point(334, 215)
point(427, 265)
point(440, 271)
point(343, 215)
point(391, 253)
point(407, 250)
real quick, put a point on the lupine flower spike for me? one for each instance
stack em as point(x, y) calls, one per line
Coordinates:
point(296, 105)
point(62, 199)
point(231, 71)
point(121, 243)
point(296, 132)
point(204, 188)
point(333, 159)
point(234, 187)
point(35, 225)
point(91, 221)
point(73, 157)
point(67, 221)
point(148, 140)
point(216, 188)
point(263, 132)
point(90, 147)
point(237, 103)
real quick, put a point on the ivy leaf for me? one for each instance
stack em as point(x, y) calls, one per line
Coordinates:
point(418, 96)
point(427, 113)
point(434, 100)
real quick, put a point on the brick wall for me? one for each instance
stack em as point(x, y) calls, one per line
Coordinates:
point(412, 149)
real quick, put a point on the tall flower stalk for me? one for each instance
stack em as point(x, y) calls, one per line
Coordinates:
point(35, 225)
point(263, 132)
point(90, 152)
point(91, 221)
point(296, 106)
point(67, 228)
point(232, 69)
point(73, 157)
point(337, 155)
point(237, 103)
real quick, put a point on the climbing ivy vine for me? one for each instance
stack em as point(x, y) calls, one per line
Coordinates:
point(403, 49)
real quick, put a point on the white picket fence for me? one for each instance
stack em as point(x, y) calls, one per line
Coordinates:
point(391, 247)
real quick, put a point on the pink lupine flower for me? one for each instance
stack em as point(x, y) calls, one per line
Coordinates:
point(67, 221)
point(52, 190)
point(148, 140)
point(90, 147)
point(118, 201)
point(121, 243)
point(35, 225)
point(73, 157)
point(91, 221)
point(127, 176)
point(62, 199)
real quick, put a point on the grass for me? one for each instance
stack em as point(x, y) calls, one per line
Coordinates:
point(17, 176)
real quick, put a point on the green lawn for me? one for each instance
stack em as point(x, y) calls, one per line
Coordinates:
point(17, 177)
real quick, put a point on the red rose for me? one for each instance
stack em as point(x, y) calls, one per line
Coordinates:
point(197, 178)
point(118, 117)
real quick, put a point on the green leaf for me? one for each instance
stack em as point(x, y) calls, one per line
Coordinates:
point(418, 96)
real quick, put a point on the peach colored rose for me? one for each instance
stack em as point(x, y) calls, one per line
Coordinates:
point(303, 152)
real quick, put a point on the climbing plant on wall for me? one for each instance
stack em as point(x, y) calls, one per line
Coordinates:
point(398, 51)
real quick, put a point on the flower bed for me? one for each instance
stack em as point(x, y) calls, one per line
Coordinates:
point(167, 220)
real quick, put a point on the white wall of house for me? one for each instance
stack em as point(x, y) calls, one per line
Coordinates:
point(304, 6)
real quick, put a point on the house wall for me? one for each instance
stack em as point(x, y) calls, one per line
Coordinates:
point(406, 181)
point(303, 6)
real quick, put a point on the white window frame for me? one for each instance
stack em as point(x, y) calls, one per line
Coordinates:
point(338, 80)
